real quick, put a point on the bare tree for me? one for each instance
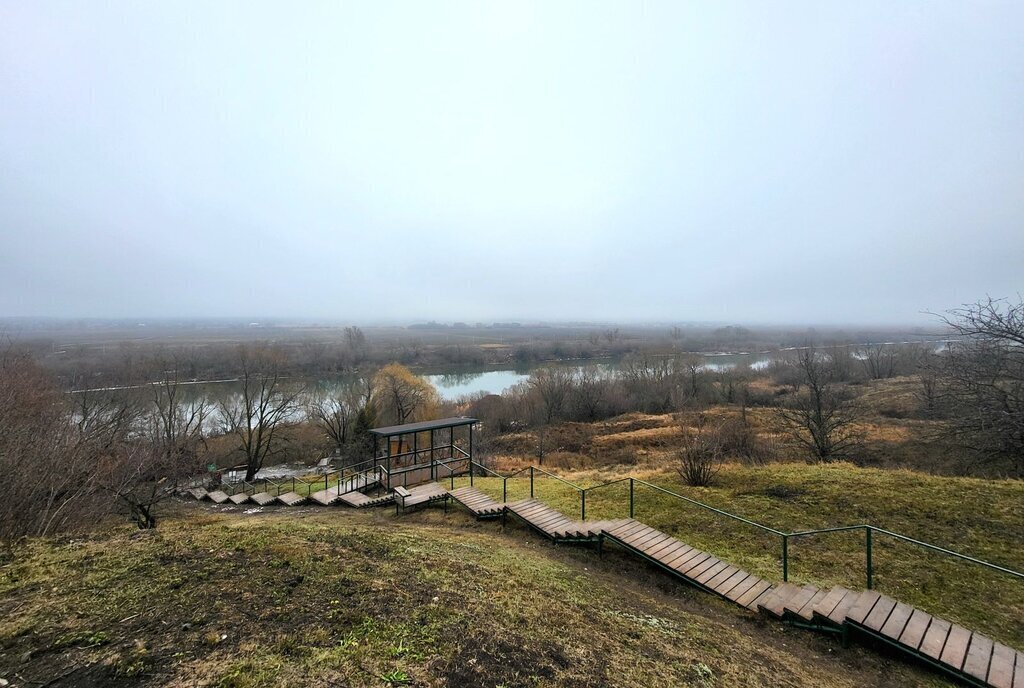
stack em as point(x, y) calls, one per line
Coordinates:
point(355, 340)
point(879, 360)
point(841, 358)
point(47, 479)
point(256, 413)
point(143, 472)
point(335, 411)
point(588, 392)
point(818, 416)
point(552, 386)
point(981, 380)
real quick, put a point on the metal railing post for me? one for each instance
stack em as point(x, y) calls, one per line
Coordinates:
point(868, 557)
point(504, 490)
point(531, 482)
point(785, 558)
point(631, 498)
point(471, 473)
point(583, 505)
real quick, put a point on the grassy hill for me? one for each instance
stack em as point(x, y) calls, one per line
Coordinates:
point(310, 596)
point(978, 517)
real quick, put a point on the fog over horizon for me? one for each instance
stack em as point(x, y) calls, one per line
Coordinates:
point(737, 162)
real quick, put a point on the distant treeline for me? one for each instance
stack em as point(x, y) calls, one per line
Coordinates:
point(89, 358)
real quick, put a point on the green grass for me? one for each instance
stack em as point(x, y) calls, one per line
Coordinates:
point(335, 597)
point(980, 518)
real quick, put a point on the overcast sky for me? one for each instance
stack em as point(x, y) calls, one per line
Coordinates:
point(752, 162)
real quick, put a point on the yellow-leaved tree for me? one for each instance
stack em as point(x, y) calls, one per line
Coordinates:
point(401, 396)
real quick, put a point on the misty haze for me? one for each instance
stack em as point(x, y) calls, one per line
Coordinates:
point(508, 343)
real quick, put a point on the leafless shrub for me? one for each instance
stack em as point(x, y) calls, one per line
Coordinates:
point(700, 458)
point(740, 440)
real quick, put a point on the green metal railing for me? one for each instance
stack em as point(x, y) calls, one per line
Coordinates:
point(871, 532)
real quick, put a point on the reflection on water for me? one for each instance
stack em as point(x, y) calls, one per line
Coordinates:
point(456, 383)
point(453, 385)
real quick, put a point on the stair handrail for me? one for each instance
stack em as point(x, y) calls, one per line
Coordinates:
point(870, 530)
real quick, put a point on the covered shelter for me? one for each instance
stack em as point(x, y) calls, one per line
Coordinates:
point(427, 450)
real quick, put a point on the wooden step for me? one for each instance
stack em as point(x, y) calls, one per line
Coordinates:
point(806, 611)
point(421, 494)
point(197, 492)
point(478, 503)
point(240, 497)
point(263, 498)
point(325, 497)
point(1001, 668)
point(218, 496)
point(360, 501)
point(291, 499)
point(775, 604)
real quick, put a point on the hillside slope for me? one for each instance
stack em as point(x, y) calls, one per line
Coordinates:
point(311, 596)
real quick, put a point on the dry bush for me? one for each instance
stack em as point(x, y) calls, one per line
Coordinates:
point(739, 439)
point(701, 456)
point(48, 467)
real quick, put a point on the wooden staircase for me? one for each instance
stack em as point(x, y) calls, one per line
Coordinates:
point(477, 503)
point(969, 656)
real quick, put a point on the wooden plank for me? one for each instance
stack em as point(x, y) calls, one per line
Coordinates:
point(755, 604)
point(528, 512)
point(753, 593)
point(529, 508)
point(291, 498)
point(240, 497)
point(668, 552)
point(935, 638)
point(825, 606)
point(798, 599)
point(1018, 675)
point(955, 650)
point(728, 572)
point(914, 631)
point(554, 521)
point(693, 562)
point(838, 615)
point(979, 655)
point(806, 612)
point(626, 529)
point(648, 538)
point(678, 556)
point(880, 613)
point(707, 574)
point(542, 519)
point(708, 563)
point(741, 588)
point(897, 621)
point(655, 543)
point(865, 603)
point(726, 585)
point(1000, 671)
point(633, 540)
point(668, 547)
point(773, 603)
point(776, 602)
point(263, 498)
point(683, 562)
